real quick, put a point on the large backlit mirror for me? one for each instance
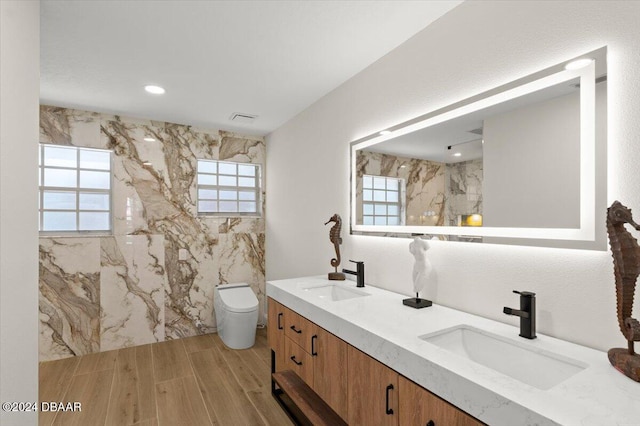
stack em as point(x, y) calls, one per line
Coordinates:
point(524, 163)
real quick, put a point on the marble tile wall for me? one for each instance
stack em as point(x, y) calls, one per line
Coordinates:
point(436, 193)
point(463, 186)
point(129, 288)
point(425, 185)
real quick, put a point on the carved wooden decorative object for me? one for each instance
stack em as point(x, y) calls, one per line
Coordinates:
point(334, 237)
point(626, 265)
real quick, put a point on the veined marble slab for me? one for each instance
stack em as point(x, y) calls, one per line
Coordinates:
point(69, 297)
point(130, 288)
point(381, 326)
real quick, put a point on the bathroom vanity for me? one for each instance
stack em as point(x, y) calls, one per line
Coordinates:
point(376, 361)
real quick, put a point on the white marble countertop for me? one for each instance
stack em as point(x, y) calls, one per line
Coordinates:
point(381, 326)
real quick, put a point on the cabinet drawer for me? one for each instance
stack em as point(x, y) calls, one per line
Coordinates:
point(298, 329)
point(418, 406)
point(298, 360)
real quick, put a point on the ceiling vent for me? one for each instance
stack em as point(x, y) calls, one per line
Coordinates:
point(241, 117)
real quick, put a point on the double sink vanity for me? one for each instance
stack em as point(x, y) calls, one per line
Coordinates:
point(376, 361)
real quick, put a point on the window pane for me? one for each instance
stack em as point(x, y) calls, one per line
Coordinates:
point(392, 196)
point(247, 206)
point(90, 159)
point(207, 180)
point(380, 220)
point(247, 182)
point(208, 194)
point(367, 208)
point(367, 182)
point(380, 209)
point(367, 195)
point(89, 201)
point(56, 200)
point(228, 195)
point(59, 221)
point(208, 206)
point(228, 206)
point(94, 221)
point(227, 169)
point(247, 195)
point(228, 181)
point(393, 221)
point(207, 166)
point(379, 183)
point(378, 195)
point(367, 220)
point(61, 178)
point(392, 184)
point(60, 156)
point(392, 210)
point(100, 180)
point(245, 170)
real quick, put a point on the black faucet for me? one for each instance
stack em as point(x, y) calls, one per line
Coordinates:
point(527, 314)
point(359, 272)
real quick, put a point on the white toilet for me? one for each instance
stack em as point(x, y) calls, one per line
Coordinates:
point(236, 307)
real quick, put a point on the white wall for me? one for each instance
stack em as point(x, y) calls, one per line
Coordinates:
point(308, 161)
point(531, 158)
point(20, 87)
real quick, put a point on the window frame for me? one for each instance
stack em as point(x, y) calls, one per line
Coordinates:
point(256, 189)
point(400, 204)
point(77, 190)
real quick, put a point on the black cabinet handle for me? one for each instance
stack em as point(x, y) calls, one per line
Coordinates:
point(293, 358)
point(280, 327)
point(313, 346)
point(431, 423)
point(293, 327)
point(389, 410)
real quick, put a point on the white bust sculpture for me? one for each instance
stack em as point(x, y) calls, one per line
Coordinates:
point(421, 268)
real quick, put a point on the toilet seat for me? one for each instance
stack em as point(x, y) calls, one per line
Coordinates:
point(238, 297)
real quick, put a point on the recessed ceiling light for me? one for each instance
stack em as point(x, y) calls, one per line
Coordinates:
point(457, 154)
point(385, 132)
point(578, 63)
point(147, 139)
point(156, 90)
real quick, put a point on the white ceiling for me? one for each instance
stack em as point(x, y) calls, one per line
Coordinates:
point(214, 58)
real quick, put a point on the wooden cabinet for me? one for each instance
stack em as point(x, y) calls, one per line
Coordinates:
point(419, 407)
point(330, 357)
point(298, 360)
point(358, 388)
point(298, 329)
point(275, 332)
point(372, 391)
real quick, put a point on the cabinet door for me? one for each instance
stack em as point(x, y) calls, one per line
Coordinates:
point(298, 329)
point(330, 357)
point(372, 391)
point(419, 407)
point(275, 332)
point(298, 360)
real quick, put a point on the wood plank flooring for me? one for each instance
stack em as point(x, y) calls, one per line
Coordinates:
point(193, 381)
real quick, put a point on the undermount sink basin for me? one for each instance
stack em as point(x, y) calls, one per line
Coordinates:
point(335, 292)
point(537, 368)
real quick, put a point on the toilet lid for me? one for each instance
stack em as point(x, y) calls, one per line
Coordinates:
point(238, 297)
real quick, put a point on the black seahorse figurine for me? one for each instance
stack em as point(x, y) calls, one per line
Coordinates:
point(626, 265)
point(334, 237)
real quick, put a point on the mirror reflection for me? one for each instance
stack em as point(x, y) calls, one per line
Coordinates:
point(499, 166)
point(522, 161)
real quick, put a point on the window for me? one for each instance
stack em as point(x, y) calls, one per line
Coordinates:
point(228, 189)
point(382, 200)
point(75, 189)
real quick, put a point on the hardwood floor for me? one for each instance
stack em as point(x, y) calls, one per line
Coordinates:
point(193, 381)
